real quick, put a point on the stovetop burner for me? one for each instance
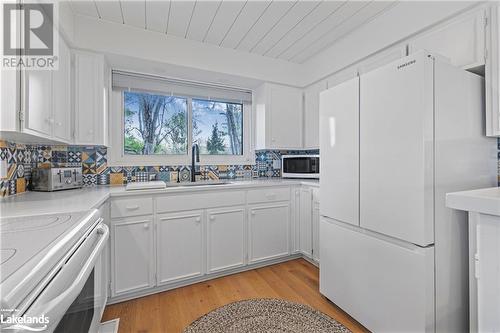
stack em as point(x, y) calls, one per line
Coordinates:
point(6, 254)
point(32, 223)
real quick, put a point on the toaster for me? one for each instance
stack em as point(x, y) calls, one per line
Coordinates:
point(55, 179)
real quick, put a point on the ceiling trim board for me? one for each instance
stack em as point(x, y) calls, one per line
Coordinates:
point(330, 30)
point(253, 25)
point(294, 26)
point(212, 22)
point(234, 21)
point(312, 28)
point(274, 25)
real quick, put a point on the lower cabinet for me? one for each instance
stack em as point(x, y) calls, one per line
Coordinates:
point(179, 238)
point(315, 231)
point(162, 248)
point(305, 223)
point(268, 231)
point(132, 254)
point(226, 247)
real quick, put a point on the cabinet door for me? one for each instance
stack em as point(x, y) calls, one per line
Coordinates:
point(461, 41)
point(492, 73)
point(226, 246)
point(306, 222)
point(285, 106)
point(179, 246)
point(132, 255)
point(315, 231)
point(311, 114)
point(268, 231)
point(89, 98)
point(339, 147)
point(62, 94)
point(38, 101)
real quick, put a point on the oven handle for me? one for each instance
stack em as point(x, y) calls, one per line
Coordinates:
point(56, 307)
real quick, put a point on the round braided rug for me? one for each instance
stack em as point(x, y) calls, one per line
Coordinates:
point(265, 316)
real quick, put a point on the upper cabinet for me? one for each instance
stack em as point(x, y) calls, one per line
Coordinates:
point(45, 109)
point(311, 114)
point(492, 72)
point(66, 105)
point(278, 117)
point(460, 40)
point(61, 95)
point(90, 93)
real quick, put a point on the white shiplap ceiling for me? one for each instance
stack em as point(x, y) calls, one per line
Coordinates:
point(288, 30)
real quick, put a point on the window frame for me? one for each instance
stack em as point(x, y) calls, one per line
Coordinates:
point(117, 156)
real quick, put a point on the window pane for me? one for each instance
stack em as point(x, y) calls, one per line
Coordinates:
point(154, 124)
point(218, 127)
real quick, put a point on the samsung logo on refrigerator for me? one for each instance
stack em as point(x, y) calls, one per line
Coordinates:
point(406, 64)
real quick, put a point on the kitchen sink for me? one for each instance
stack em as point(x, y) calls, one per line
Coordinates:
point(200, 183)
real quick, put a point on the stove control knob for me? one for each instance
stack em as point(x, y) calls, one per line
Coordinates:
point(68, 181)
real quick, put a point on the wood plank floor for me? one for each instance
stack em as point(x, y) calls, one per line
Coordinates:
point(171, 311)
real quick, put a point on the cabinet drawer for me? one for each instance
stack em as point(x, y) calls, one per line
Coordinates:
point(192, 201)
point(268, 195)
point(131, 207)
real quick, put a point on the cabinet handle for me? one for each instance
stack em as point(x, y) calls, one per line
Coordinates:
point(198, 219)
point(212, 218)
point(135, 207)
point(252, 212)
point(271, 195)
point(146, 225)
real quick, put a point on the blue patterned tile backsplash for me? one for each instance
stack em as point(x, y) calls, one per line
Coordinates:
point(22, 158)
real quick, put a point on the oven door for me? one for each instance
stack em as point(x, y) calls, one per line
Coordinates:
point(74, 300)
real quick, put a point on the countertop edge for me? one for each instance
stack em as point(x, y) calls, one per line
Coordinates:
point(484, 201)
point(41, 203)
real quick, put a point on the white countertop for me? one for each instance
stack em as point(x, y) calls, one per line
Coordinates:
point(36, 203)
point(486, 201)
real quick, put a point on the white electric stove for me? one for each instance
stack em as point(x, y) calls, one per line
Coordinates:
point(47, 262)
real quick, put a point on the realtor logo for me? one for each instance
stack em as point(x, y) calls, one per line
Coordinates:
point(28, 35)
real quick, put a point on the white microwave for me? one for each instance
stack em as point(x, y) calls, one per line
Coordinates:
point(300, 166)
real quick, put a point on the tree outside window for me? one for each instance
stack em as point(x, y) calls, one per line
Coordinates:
point(156, 124)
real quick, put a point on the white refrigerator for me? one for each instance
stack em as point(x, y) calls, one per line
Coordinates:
point(393, 142)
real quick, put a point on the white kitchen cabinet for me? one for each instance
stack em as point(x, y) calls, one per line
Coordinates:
point(295, 220)
point(179, 238)
point(461, 40)
point(38, 117)
point(339, 146)
point(132, 254)
point(226, 244)
point(44, 112)
point(268, 231)
point(278, 117)
point(492, 72)
point(61, 95)
point(90, 91)
point(311, 114)
point(315, 225)
point(306, 222)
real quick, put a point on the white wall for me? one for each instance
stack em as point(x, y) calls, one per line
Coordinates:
point(112, 38)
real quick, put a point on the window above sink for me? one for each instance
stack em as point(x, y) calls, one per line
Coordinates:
point(157, 120)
